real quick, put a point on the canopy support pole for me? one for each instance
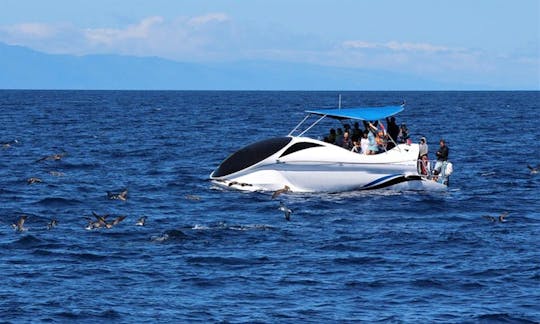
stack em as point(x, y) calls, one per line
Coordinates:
point(303, 120)
point(315, 123)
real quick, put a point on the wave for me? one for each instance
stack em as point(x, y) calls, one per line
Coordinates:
point(428, 283)
point(360, 260)
point(80, 166)
point(217, 260)
point(225, 226)
point(366, 284)
point(58, 201)
point(88, 256)
point(28, 240)
point(169, 235)
point(79, 315)
point(503, 318)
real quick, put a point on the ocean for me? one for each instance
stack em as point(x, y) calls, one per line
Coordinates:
point(208, 254)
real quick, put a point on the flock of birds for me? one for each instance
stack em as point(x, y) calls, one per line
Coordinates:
point(97, 221)
point(101, 221)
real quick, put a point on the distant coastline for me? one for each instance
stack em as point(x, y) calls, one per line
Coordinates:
point(23, 68)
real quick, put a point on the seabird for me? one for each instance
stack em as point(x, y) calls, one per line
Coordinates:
point(502, 217)
point(100, 221)
point(160, 238)
point(141, 221)
point(285, 210)
point(193, 197)
point(92, 224)
point(33, 180)
point(54, 157)
point(280, 191)
point(118, 196)
point(52, 224)
point(115, 221)
point(492, 219)
point(7, 145)
point(533, 170)
point(19, 226)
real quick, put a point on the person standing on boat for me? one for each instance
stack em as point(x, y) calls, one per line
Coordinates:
point(423, 148)
point(372, 146)
point(339, 137)
point(356, 132)
point(403, 134)
point(442, 156)
point(364, 142)
point(423, 160)
point(331, 138)
point(393, 131)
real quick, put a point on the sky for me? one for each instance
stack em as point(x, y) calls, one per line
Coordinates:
point(493, 43)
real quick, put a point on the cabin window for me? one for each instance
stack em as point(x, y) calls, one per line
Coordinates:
point(298, 147)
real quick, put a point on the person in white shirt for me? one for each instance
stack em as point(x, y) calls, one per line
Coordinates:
point(364, 143)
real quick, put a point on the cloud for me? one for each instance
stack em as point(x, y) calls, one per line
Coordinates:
point(193, 38)
point(109, 36)
point(208, 18)
point(29, 30)
point(396, 46)
point(216, 36)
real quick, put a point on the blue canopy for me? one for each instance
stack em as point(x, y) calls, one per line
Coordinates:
point(360, 113)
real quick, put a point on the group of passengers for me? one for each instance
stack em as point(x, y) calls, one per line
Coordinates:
point(373, 139)
point(369, 140)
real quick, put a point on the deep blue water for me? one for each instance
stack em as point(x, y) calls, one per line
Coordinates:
point(231, 256)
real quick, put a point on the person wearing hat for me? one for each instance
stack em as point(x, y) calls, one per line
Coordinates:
point(423, 156)
point(423, 147)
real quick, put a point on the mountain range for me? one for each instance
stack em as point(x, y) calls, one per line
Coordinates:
point(24, 68)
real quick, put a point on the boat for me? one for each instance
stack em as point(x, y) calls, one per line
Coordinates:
point(298, 163)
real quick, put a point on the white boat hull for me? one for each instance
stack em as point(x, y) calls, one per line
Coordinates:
point(307, 165)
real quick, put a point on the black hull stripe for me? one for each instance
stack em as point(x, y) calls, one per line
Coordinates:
point(395, 181)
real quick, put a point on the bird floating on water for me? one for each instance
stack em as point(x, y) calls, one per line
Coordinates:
point(141, 221)
point(193, 197)
point(53, 157)
point(533, 169)
point(118, 196)
point(286, 211)
point(7, 145)
point(97, 222)
point(501, 218)
point(19, 225)
point(52, 224)
point(33, 180)
point(280, 191)
point(101, 221)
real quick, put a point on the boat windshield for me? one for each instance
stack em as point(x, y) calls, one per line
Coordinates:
point(251, 155)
